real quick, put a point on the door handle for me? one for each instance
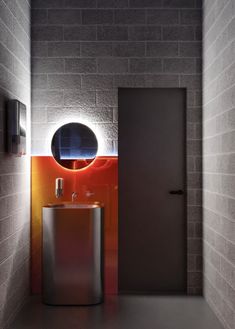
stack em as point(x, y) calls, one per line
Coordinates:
point(177, 192)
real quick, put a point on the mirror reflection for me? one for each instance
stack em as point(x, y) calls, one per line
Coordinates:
point(74, 146)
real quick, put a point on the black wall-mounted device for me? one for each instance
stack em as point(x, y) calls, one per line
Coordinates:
point(16, 128)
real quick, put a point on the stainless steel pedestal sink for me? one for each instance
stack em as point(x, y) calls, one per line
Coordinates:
point(73, 254)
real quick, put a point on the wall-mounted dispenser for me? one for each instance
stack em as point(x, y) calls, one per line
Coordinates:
point(16, 128)
point(59, 187)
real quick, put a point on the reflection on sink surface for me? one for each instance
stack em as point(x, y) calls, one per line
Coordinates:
point(74, 205)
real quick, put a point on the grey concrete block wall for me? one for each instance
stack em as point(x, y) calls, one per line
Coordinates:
point(83, 51)
point(219, 155)
point(14, 172)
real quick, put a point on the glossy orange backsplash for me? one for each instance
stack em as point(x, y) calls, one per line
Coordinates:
point(98, 182)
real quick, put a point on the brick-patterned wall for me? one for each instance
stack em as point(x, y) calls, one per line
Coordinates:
point(219, 158)
point(83, 50)
point(14, 172)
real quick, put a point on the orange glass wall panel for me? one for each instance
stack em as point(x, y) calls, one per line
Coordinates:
point(98, 182)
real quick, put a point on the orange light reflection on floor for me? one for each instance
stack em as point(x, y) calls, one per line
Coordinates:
point(98, 182)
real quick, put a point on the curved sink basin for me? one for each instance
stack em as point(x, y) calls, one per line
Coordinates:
point(74, 205)
point(73, 254)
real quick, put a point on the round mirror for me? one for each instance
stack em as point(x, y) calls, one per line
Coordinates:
point(74, 146)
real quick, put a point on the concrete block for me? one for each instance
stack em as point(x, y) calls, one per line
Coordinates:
point(6, 57)
point(97, 115)
point(190, 230)
point(47, 33)
point(163, 17)
point(7, 248)
point(79, 3)
point(6, 229)
point(64, 81)
point(55, 114)
point(39, 115)
point(128, 49)
point(191, 16)
point(129, 16)
point(148, 65)
point(198, 33)
point(162, 49)
point(112, 65)
point(194, 246)
point(64, 16)
point(194, 180)
point(79, 98)
point(96, 49)
point(195, 279)
point(179, 3)
point(112, 33)
point(112, 3)
point(145, 3)
point(39, 49)
point(162, 81)
point(63, 49)
point(5, 272)
point(180, 33)
point(194, 147)
point(39, 17)
point(48, 65)
point(198, 4)
point(108, 131)
point(21, 35)
point(39, 81)
point(107, 98)
point(227, 142)
point(190, 49)
point(144, 33)
point(47, 98)
point(47, 3)
point(6, 15)
point(115, 114)
point(80, 33)
point(80, 65)
point(228, 271)
point(99, 16)
point(97, 81)
point(194, 213)
point(231, 257)
point(179, 65)
point(133, 80)
point(6, 185)
point(190, 163)
point(191, 260)
point(191, 81)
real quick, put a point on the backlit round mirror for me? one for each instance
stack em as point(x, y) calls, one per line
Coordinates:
point(74, 146)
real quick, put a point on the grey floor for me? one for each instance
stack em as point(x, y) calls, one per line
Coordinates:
point(121, 312)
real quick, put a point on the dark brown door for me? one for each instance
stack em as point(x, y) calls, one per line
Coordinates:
point(152, 222)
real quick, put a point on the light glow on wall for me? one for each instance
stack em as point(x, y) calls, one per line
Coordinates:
point(96, 183)
point(95, 129)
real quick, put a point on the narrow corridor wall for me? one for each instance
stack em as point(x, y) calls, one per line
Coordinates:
point(219, 158)
point(14, 172)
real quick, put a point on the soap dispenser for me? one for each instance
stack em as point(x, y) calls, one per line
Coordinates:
point(59, 187)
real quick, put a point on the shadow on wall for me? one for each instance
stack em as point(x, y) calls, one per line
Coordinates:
point(14, 225)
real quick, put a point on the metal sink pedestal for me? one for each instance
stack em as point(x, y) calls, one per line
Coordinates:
point(72, 254)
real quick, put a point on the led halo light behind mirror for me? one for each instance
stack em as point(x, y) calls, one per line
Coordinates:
point(74, 146)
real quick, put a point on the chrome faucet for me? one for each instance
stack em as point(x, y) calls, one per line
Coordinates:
point(74, 196)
